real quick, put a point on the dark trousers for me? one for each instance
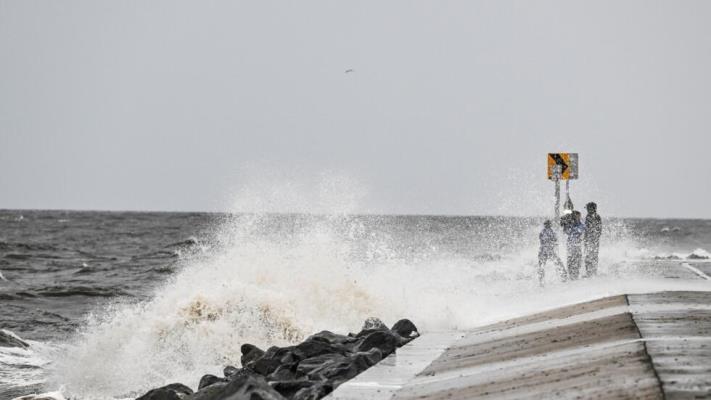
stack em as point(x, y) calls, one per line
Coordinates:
point(592, 249)
point(575, 256)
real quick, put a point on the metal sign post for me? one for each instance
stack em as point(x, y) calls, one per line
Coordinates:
point(562, 166)
point(556, 179)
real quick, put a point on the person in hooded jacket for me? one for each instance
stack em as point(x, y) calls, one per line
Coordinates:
point(549, 251)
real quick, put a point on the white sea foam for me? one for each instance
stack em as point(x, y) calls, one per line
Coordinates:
point(269, 291)
point(31, 359)
point(43, 396)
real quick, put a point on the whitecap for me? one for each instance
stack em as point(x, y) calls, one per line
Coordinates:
point(699, 254)
point(43, 396)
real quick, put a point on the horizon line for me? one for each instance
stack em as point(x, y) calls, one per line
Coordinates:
point(356, 214)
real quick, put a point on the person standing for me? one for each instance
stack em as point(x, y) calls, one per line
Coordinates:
point(575, 231)
point(593, 231)
point(549, 251)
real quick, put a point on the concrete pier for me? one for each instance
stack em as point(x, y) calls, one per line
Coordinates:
point(649, 346)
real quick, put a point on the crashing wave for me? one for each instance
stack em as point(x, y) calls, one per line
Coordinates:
point(268, 285)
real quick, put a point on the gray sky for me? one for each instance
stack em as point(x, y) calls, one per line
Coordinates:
point(451, 108)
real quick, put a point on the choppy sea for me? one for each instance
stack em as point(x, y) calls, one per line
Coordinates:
point(115, 303)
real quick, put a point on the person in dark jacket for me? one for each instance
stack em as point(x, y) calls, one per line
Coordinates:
point(593, 231)
point(549, 251)
point(575, 231)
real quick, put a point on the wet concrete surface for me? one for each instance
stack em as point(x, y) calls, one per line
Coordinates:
point(635, 346)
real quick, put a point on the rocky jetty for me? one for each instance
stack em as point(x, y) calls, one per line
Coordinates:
point(306, 371)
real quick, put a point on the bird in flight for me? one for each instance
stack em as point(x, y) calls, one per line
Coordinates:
point(349, 70)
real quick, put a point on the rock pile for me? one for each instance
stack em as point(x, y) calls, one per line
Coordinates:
point(307, 371)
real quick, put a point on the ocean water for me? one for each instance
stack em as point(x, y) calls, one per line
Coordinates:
point(116, 303)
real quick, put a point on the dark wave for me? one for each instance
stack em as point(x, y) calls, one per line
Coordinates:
point(68, 291)
point(25, 366)
point(54, 315)
point(27, 246)
point(84, 271)
point(33, 323)
point(8, 339)
point(166, 269)
point(160, 254)
point(95, 256)
point(18, 295)
point(184, 243)
point(44, 256)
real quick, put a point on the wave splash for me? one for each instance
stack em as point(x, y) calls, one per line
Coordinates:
point(270, 283)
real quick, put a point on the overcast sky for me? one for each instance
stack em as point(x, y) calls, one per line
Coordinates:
point(450, 108)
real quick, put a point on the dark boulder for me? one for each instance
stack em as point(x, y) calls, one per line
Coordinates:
point(313, 348)
point(174, 391)
point(340, 370)
point(249, 387)
point(364, 360)
point(343, 342)
point(405, 328)
point(386, 341)
point(211, 392)
point(306, 366)
point(243, 386)
point(314, 392)
point(239, 372)
point(264, 366)
point(208, 380)
point(366, 332)
point(371, 357)
point(229, 371)
point(307, 371)
point(272, 359)
point(250, 353)
point(288, 388)
point(285, 372)
point(333, 338)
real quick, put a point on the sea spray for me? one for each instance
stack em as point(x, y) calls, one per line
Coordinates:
point(263, 286)
point(272, 279)
point(15, 350)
